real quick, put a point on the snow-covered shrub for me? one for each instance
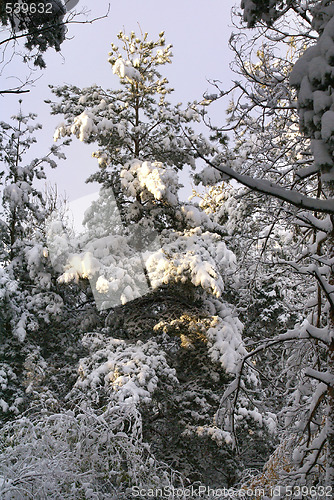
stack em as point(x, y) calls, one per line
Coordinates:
point(78, 453)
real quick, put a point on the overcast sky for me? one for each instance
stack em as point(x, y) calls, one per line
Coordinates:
point(199, 32)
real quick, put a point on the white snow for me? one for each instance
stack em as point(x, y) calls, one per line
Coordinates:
point(125, 69)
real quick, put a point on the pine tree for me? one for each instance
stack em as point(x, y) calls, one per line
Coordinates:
point(29, 299)
point(170, 349)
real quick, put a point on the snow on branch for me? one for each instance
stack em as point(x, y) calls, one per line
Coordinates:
point(271, 189)
point(124, 69)
point(304, 331)
point(324, 377)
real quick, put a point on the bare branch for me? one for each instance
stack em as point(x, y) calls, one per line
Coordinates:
point(14, 91)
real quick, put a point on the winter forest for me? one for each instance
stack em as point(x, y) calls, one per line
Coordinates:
point(176, 346)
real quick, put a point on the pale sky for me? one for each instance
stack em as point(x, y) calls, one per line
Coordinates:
point(199, 32)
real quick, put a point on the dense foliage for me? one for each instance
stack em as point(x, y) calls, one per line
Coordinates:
point(176, 343)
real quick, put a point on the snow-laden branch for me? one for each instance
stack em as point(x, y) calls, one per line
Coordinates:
point(324, 377)
point(323, 225)
point(271, 189)
point(317, 398)
point(306, 331)
point(317, 446)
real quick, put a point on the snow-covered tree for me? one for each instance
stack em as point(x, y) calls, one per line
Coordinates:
point(170, 340)
point(134, 122)
point(29, 299)
point(273, 159)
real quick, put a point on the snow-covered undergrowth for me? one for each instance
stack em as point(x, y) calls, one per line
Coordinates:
point(78, 454)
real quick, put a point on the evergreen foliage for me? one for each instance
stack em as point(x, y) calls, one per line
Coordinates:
point(173, 343)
